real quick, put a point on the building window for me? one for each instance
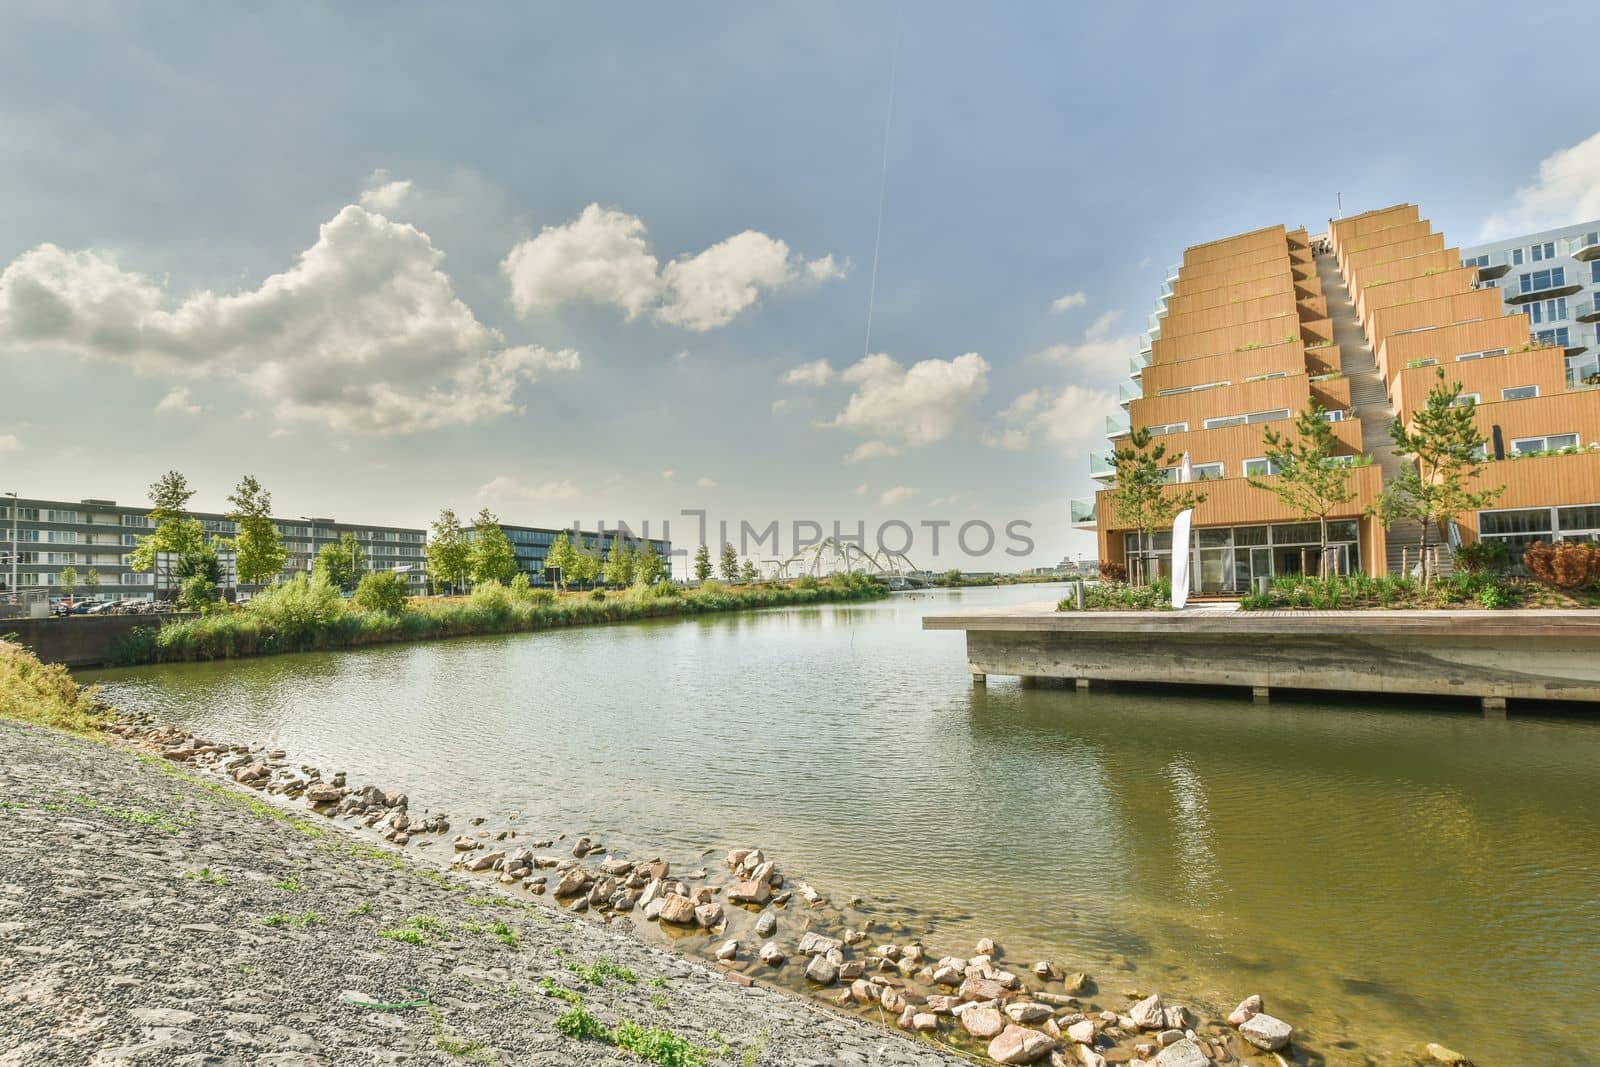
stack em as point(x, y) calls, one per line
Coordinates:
point(1171, 427)
point(1466, 356)
point(61, 516)
point(1194, 388)
point(1207, 472)
point(1594, 272)
point(1559, 336)
point(1542, 252)
point(1519, 392)
point(1547, 310)
point(1540, 280)
point(1516, 257)
point(1465, 399)
point(1476, 261)
point(1251, 418)
point(1254, 468)
point(1555, 442)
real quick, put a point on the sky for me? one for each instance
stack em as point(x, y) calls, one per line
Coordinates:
point(614, 262)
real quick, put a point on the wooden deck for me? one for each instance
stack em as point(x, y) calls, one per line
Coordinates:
point(1489, 655)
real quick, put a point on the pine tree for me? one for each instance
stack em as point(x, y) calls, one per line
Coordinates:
point(1307, 479)
point(1140, 500)
point(702, 563)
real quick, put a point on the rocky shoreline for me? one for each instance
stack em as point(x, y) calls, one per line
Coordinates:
point(747, 918)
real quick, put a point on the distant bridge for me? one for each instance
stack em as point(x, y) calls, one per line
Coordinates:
point(831, 555)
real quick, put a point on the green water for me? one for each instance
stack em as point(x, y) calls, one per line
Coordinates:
point(1384, 876)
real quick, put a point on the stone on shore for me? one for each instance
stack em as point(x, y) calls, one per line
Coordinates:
point(321, 793)
point(822, 971)
point(1448, 1056)
point(572, 882)
point(749, 892)
point(1089, 1057)
point(728, 950)
point(983, 1022)
point(1185, 1053)
point(708, 915)
point(771, 954)
point(815, 944)
point(1264, 1031)
point(1082, 1031)
point(1248, 1007)
point(677, 909)
point(925, 1022)
point(767, 924)
point(1018, 1044)
point(1028, 1012)
point(1148, 1014)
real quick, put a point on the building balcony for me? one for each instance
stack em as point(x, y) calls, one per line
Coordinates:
point(1588, 311)
point(1585, 247)
point(1101, 466)
point(1127, 394)
point(1083, 513)
point(1491, 271)
point(1116, 427)
point(1543, 294)
point(1146, 347)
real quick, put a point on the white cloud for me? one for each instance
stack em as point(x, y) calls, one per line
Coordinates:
point(780, 405)
point(1099, 359)
point(897, 495)
point(1568, 190)
point(383, 195)
point(668, 474)
point(180, 401)
point(604, 257)
point(820, 372)
point(871, 450)
point(1100, 328)
point(705, 483)
point(861, 490)
point(1070, 419)
point(364, 334)
point(506, 487)
point(944, 501)
point(9, 442)
point(917, 405)
point(1068, 302)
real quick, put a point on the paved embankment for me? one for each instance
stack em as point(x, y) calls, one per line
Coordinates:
point(148, 915)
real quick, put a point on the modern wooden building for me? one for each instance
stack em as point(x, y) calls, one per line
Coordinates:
point(1252, 327)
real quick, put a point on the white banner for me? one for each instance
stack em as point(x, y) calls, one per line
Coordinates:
point(1180, 559)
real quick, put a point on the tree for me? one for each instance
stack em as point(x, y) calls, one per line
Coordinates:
point(730, 563)
point(585, 563)
point(492, 557)
point(649, 568)
point(1308, 480)
point(91, 580)
point(175, 532)
point(381, 591)
point(561, 557)
point(702, 563)
point(749, 573)
point(1447, 452)
point(1140, 500)
point(259, 552)
point(449, 552)
point(622, 564)
point(68, 579)
point(341, 561)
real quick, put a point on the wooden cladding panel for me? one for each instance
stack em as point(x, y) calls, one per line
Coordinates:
point(1540, 481)
point(1220, 317)
point(1406, 231)
point(1228, 339)
point(1439, 311)
point(1274, 279)
point(1235, 264)
point(1577, 411)
point(1354, 265)
point(1223, 247)
point(1426, 287)
point(1544, 367)
point(1344, 229)
point(1240, 398)
point(1235, 502)
point(1448, 342)
point(1233, 445)
point(1289, 358)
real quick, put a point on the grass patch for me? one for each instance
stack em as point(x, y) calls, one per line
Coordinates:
point(299, 922)
point(552, 988)
point(417, 930)
point(451, 1045)
point(408, 936)
point(577, 1022)
point(658, 1045)
point(363, 908)
point(290, 884)
point(603, 968)
point(505, 934)
point(136, 815)
point(46, 695)
point(206, 875)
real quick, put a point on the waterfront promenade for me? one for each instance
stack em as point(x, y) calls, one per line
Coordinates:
point(1490, 656)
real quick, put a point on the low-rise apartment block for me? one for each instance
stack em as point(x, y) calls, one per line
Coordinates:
point(532, 545)
point(97, 535)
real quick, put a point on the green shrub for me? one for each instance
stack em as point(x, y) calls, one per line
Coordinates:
point(541, 597)
point(34, 692)
point(519, 588)
point(806, 581)
point(493, 599)
point(1119, 596)
point(197, 593)
point(597, 594)
point(381, 591)
point(1492, 557)
point(298, 608)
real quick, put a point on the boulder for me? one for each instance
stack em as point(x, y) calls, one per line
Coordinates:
point(892, 999)
point(815, 944)
point(1247, 1007)
point(1185, 1053)
point(728, 950)
point(863, 993)
point(985, 947)
point(1018, 1044)
point(1089, 1057)
point(946, 975)
point(849, 970)
point(751, 892)
point(767, 924)
point(821, 971)
point(809, 895)
point(322, 793)
point(1076, 983)
point(1147, 1014)
point(1448, 1056)
point(983, 1022)
point(925, 1022)
point(677, 909)
point(981, 989)
point(484, 861)
point(1265, 1032)
point(771, 954)
point(615, 866)
point(1082, 1032)
point(572, 882)
point(708, 915)
point(653, 891)
point(1028, 1012)
point(941, 1005)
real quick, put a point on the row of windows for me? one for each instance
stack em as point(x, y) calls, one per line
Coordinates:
point(1540, 280)
point(1250, 419)
point(1533, 253)
point(1195, 388)
point(1205, 472)
point(1293, 534)
point(1515, 392)
point(1520, 527)
point(1546, 310)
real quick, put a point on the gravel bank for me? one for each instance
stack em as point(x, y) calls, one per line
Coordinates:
point(148, 915)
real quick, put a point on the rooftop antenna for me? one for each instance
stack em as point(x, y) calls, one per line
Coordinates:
point(883, 183)
point(1341, 204)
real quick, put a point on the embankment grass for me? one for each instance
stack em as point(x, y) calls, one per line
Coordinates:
point(306, 616)
point(45, 694)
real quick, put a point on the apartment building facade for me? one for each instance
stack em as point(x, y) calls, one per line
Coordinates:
point(1513, 323)
point(1241, 340)
point(97, 535)
point(532, 545)
point(1251, 327)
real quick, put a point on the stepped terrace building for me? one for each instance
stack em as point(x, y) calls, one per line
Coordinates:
point(1249, 328)
point(98, 535)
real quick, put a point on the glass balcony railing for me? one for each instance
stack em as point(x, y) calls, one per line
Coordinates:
point(1116, 427)
point(1101, 465)
point(1083, 511)
point(1585, 246)
point(1127, 394)
point(1146, 346)
point(1588, 311)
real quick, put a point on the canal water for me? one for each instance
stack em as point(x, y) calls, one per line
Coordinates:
point(1384, 876)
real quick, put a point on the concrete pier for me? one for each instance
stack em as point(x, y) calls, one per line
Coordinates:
point(1489, 656)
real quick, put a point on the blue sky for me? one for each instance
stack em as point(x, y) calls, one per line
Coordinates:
point(481, 336)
